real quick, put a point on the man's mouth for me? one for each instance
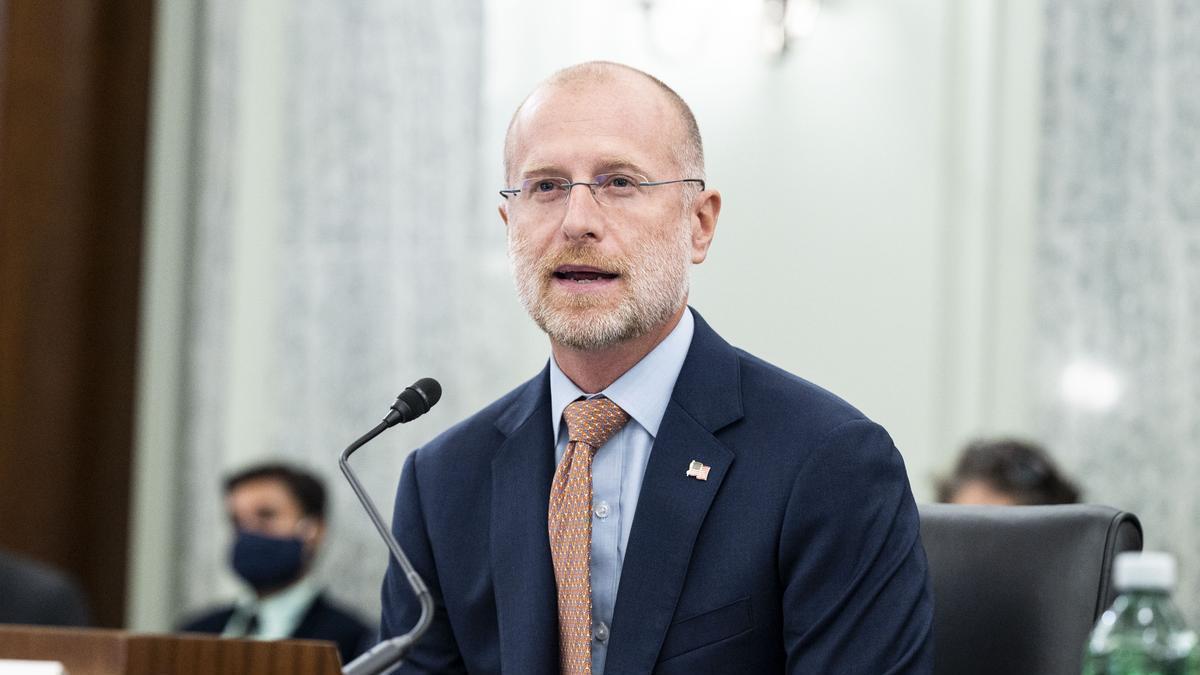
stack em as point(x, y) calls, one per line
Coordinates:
point(582, 274)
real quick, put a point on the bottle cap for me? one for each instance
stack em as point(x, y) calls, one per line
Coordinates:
point(1144, 570)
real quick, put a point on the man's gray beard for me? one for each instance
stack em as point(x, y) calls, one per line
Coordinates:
point(656, 287)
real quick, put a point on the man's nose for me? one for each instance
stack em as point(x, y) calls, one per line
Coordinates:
point(583, 217)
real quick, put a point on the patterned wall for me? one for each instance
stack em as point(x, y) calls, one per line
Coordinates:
point(382, 269)
point(1118, 262)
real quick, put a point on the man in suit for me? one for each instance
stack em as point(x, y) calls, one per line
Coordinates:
point(278, 513)
point(654, 500)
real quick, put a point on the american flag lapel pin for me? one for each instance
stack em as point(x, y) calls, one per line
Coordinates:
point(697, 470)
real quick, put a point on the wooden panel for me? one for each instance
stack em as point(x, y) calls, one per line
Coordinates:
point(200, 655)
point(73, 95)
point(82, 652)
point(110, 652)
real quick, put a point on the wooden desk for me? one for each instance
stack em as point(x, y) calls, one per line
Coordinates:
point(114, 652)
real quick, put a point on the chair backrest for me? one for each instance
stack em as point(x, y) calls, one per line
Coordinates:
point(1017, 589)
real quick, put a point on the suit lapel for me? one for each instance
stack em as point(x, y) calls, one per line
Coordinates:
point(672, 506)
point(522, 470)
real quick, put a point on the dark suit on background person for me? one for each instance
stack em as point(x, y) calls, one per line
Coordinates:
point(323, 621)
point(36, 594)
point(799, 553)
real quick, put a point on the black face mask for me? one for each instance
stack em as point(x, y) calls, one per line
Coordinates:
point(267, 562)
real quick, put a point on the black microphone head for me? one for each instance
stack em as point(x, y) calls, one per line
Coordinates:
point(414, 401)
point(429, 389)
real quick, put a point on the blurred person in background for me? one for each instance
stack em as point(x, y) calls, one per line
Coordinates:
point(278, 514)
point(35, 594)
point(1006, 472)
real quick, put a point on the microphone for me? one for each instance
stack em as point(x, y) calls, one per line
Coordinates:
point(410, 404)
point(414, 401)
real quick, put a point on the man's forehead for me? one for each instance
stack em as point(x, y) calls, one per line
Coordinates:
point(602, 95)
point(263, 489)
point(615, 119)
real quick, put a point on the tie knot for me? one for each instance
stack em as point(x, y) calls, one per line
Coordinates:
point(594, 421)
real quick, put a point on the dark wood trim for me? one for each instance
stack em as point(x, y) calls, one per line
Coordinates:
point(74, 85)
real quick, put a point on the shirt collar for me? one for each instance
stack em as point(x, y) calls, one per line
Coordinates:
point(644, 390)
point(280, 613)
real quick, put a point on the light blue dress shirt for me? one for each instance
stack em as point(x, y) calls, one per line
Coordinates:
point(619, 465)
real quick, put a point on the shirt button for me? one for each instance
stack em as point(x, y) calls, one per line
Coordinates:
point(600, 632)
point(601, 510)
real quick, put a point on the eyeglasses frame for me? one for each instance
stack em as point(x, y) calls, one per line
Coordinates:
point(570, 185)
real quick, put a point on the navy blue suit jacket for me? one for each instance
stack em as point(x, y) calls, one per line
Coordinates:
point(801, 552)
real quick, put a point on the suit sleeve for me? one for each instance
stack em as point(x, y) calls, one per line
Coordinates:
point(856, 595)
point(437, 651)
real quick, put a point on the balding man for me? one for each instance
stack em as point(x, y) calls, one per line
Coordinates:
point(654, 500)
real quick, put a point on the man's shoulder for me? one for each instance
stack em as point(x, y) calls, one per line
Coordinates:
point(32, 577)
point(37, 593)
point(803, 434)
point(726, 383)
point(208, 620)
point(325, 619)
point(329, 612)
point(789, 397)
point(484, 428)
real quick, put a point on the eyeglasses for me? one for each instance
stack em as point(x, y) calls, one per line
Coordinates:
point(613, 189)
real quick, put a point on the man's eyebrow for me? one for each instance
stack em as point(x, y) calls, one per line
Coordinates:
point(602, 166)
point(544, 170)
point(610, 164)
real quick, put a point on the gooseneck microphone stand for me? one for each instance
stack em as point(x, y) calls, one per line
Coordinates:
point(412, 403)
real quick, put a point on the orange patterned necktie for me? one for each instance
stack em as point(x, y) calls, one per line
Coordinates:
point(589, 425)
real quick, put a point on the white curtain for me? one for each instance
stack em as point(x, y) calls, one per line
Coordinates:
point(339, 254)
point(1118, 339)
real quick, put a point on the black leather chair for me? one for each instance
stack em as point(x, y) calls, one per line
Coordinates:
point(1017, 589)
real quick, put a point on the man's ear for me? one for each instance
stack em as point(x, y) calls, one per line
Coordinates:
point(706, 209)
point(502, 208)
point(312, 531)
